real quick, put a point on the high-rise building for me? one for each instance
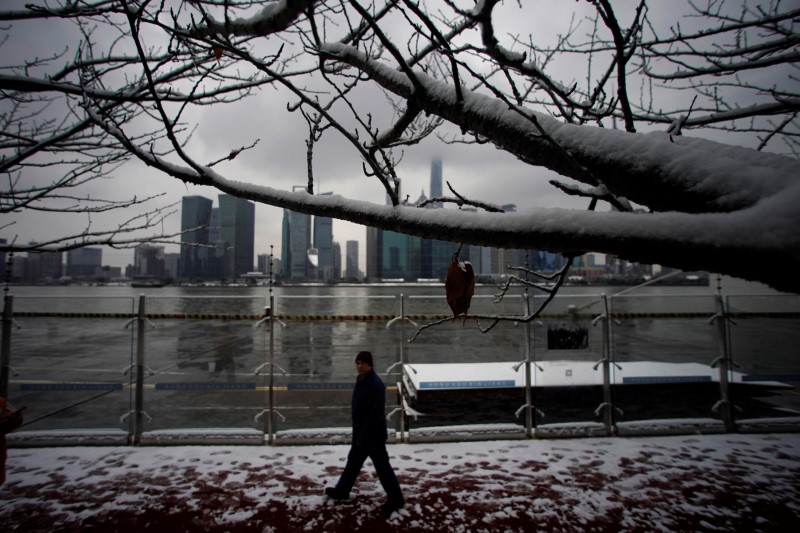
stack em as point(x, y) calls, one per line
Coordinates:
point(323, 242)
point(395, 256)
point(374, 254)
point(262, 263)
point(43, 266)
point(387, 251)
point(19, 267)
point(171, 263)
point(337, 261)
point(295, 245)
point(237, 219)
point(435, 255)
point(442, 255)
point(351, 260)
point(436, 181)
point(84, 262)
point(213, 226)
point(32, 271)
point(217, 252)
point(148, 260)
point(195, 221)
point(52, 265)
point(486, 260)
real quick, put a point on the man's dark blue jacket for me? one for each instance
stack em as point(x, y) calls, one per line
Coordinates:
point(369, 403)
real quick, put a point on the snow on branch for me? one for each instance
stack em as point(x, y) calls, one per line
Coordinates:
point(273, 18)
point(677, 174)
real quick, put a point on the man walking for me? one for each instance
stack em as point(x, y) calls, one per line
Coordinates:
point(369, 437)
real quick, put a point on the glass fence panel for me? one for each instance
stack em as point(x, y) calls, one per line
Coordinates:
point(218, 365)
point(317, 301)
point(669, 329)
point(588, 305)
point(200, 375)
point(665, 305)
point(72, 306)
point(207, 305)
point(456, 375)
point(663, 348)
point(315, 373)
point(484, 302)
point(69, 364)
point(764, 338)
point(567, 388)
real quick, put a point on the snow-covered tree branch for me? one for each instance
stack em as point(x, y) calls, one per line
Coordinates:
point(705, 98)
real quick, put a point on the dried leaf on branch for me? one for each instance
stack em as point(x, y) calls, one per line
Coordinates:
point(459, 286)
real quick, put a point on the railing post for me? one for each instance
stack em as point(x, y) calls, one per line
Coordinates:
point(401, 362)
point(528, 380)
point(138, 410)
point(270, 316)
point(5, 350)
point(724, 363)
point(271, 390)
point(608, 417)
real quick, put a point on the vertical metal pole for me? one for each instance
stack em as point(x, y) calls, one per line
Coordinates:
point(5, 351)
point(608, 418)
point(271, 393)
point(528, 380)
point(400, 365)
point(726, 408)
point(270, 419)
point(138, 414)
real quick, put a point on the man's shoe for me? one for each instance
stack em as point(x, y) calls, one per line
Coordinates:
point(334, 494)
point(391, 506)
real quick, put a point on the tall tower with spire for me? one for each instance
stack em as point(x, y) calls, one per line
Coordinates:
point(436, 180)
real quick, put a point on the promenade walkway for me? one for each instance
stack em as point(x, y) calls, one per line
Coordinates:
point(678, 483)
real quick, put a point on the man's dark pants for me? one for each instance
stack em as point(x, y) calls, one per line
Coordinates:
point(380, 459)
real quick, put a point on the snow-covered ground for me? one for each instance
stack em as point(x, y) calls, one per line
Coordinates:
point(688, 483)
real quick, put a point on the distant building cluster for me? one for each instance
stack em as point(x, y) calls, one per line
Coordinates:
point(308, 251)
point(392, 255)
point(217, 245)
point(50, 267)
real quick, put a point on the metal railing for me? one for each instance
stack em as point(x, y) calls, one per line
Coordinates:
point(272, 375)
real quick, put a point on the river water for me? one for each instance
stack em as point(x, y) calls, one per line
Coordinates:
point(209, 354)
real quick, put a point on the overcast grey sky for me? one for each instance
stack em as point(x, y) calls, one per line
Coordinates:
point(279, 160)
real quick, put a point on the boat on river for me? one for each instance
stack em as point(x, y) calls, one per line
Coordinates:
point(565, 391)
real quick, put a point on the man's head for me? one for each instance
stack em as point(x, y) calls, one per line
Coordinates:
point(364, 363)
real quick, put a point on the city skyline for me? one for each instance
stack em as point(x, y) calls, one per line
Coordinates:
point(218, 242)
point(399, 255)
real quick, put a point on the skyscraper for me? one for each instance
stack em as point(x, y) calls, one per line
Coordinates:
point(351, 261)
point(148, 260)
point(213, 226)
point(323, 242)
point(262, 264)
point(215, 255)
point(374, 254)
point(337, 261)
point(237, 218)
point(195, 219)
point(52, 265)
point(84, 262)
point(436, 180)
point(435, 255)
point(395, 255)
point(295, 245)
